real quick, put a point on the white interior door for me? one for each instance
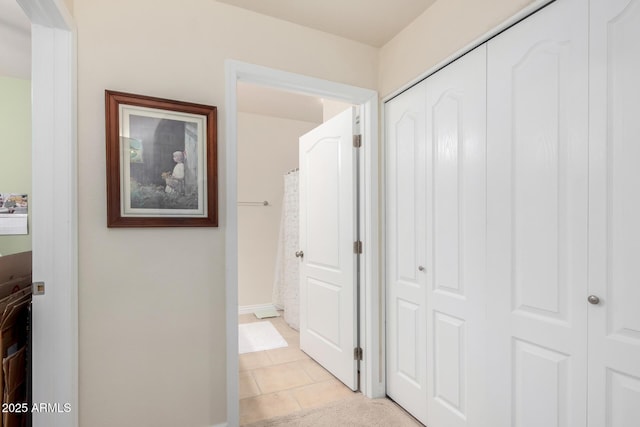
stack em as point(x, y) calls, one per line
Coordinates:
point(456, 236)
point(328, 293)
point(614, 222)
point(537, 219)
point(406, 262)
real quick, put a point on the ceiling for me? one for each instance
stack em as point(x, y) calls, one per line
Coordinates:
point(278, 103)
point(15, 41)
point(373, 22)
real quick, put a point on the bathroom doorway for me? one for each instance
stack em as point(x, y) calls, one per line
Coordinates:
point(276, 376)
point(240, 72)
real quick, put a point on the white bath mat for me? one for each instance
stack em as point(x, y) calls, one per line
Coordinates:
point(259, 336)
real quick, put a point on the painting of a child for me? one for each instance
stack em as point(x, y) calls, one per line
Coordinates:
point(175, 179)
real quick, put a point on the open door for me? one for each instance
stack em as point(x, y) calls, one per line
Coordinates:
point(328, 262)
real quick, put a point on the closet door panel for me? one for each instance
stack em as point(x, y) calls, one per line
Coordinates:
point(614, 272)
point(405, 251)
point(538, 188)
point(537, 219)
point(456, 223)
point(445, 120)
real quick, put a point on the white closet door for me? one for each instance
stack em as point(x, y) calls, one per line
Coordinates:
point(406, 251)
point(614, 214)
point(537, 161)
point(456, 230)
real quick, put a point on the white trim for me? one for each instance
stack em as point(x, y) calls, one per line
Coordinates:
point(54, 216)
point(383, 247)
point(48, 13)
point(371, 312)
point(248, 309)
point(522, 14)
point(372, 381)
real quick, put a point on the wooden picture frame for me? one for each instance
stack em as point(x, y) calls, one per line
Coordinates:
point(161, 162)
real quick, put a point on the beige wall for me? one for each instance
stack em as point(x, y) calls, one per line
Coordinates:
point(152, 301)
point(267, 149)
point(331, 108)
point(69, 5)
point(15, 146)
point(442, 30)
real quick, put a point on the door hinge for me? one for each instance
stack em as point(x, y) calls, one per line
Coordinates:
point(37, 288)
point(357, 141)
point(357, 247)
point(357, 353)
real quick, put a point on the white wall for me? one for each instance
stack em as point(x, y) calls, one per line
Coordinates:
point(151, 301)
point(443, 29)
point(15, 149)
point(267, 149)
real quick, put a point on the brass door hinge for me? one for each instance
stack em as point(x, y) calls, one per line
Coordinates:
point(357, 141)
point(357, 353)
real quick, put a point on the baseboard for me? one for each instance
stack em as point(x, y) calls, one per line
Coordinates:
point(247, 309)
point(220, 425)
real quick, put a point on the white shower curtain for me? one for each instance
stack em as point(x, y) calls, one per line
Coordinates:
point(285, 286)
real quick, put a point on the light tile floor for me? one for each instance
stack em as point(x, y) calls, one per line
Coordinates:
point(285, 380)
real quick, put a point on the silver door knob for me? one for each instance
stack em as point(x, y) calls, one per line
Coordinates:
point(299, 254)
point(593, 299)
point(421, 268)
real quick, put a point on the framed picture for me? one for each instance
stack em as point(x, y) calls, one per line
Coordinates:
point(161, 162)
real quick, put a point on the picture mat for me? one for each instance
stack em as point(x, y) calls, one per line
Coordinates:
point(125, 112)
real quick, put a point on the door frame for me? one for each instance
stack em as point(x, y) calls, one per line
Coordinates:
point(54, 239)
point(371, 338)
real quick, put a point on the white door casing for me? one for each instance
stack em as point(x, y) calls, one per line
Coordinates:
point(372, 378)
point(406, 258)
point(328, 230)
point(614, 202)
point(537, 219)
point(54, 188)
point(456, 238)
